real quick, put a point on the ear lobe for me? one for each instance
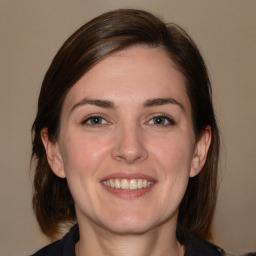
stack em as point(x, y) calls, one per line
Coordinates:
point(201, 150)
point(53, 154)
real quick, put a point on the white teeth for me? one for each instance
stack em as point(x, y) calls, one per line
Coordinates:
point(124, 184)
point(112, 183)
point(128, 184)
point(133, 184)
point(117, 183)
point(144, 183)
point(140, 183)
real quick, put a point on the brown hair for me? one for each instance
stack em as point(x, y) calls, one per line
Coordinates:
point(108, 33)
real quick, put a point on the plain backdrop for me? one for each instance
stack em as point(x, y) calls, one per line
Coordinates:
point(225, 30)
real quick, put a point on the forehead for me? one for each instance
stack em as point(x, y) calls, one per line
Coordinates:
point(138, 72)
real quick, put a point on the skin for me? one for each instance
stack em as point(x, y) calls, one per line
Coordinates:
point(135, 135)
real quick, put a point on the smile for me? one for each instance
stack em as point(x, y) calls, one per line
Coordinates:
point(128, 184)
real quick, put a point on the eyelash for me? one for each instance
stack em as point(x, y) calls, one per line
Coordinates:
point(170, 121)
point(89, 119)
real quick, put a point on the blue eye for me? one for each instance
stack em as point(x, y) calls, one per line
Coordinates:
point(161, 120)
point(94, 121)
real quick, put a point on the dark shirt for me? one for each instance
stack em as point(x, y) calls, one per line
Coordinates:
point(66, 246)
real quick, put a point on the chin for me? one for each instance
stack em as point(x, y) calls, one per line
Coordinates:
point(130, 224)
point(140, 223)
point(128, 227)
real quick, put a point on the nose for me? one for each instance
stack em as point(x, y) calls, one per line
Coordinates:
point(129, 145)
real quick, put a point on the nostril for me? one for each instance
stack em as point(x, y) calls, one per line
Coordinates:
point(129, 144)
point(129, 152)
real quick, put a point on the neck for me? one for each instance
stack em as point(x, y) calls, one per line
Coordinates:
point(159, 241)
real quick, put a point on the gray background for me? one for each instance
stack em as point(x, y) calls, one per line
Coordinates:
point(30, 34)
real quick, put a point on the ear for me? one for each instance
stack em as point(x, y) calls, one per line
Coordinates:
point(53, 154)
point(200, 152)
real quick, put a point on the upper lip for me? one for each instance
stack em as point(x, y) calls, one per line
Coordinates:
point(128, 176)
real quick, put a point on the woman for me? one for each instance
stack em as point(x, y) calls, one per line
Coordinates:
point(126, 142)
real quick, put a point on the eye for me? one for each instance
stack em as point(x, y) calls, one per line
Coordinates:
point(94, 121)
point(161, 120)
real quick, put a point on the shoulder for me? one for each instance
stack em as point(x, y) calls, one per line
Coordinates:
point(198, 247)
point(53, 249)
point(63, 247)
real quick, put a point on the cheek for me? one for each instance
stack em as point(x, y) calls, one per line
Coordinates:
point(173, 159)
point(83, 155)
point(174, 154)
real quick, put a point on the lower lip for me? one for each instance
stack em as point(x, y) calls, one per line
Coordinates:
point(128, 194)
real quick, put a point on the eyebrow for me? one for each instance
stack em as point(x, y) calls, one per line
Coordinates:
point(162, 101)
point(111, 105)
point(95, 102)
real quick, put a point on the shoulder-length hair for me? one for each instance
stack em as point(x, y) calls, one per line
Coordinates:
point(94, 41)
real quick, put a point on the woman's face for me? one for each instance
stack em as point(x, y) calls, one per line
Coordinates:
point(126, 143)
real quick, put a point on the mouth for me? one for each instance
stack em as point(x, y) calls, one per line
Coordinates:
point(128, 184)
